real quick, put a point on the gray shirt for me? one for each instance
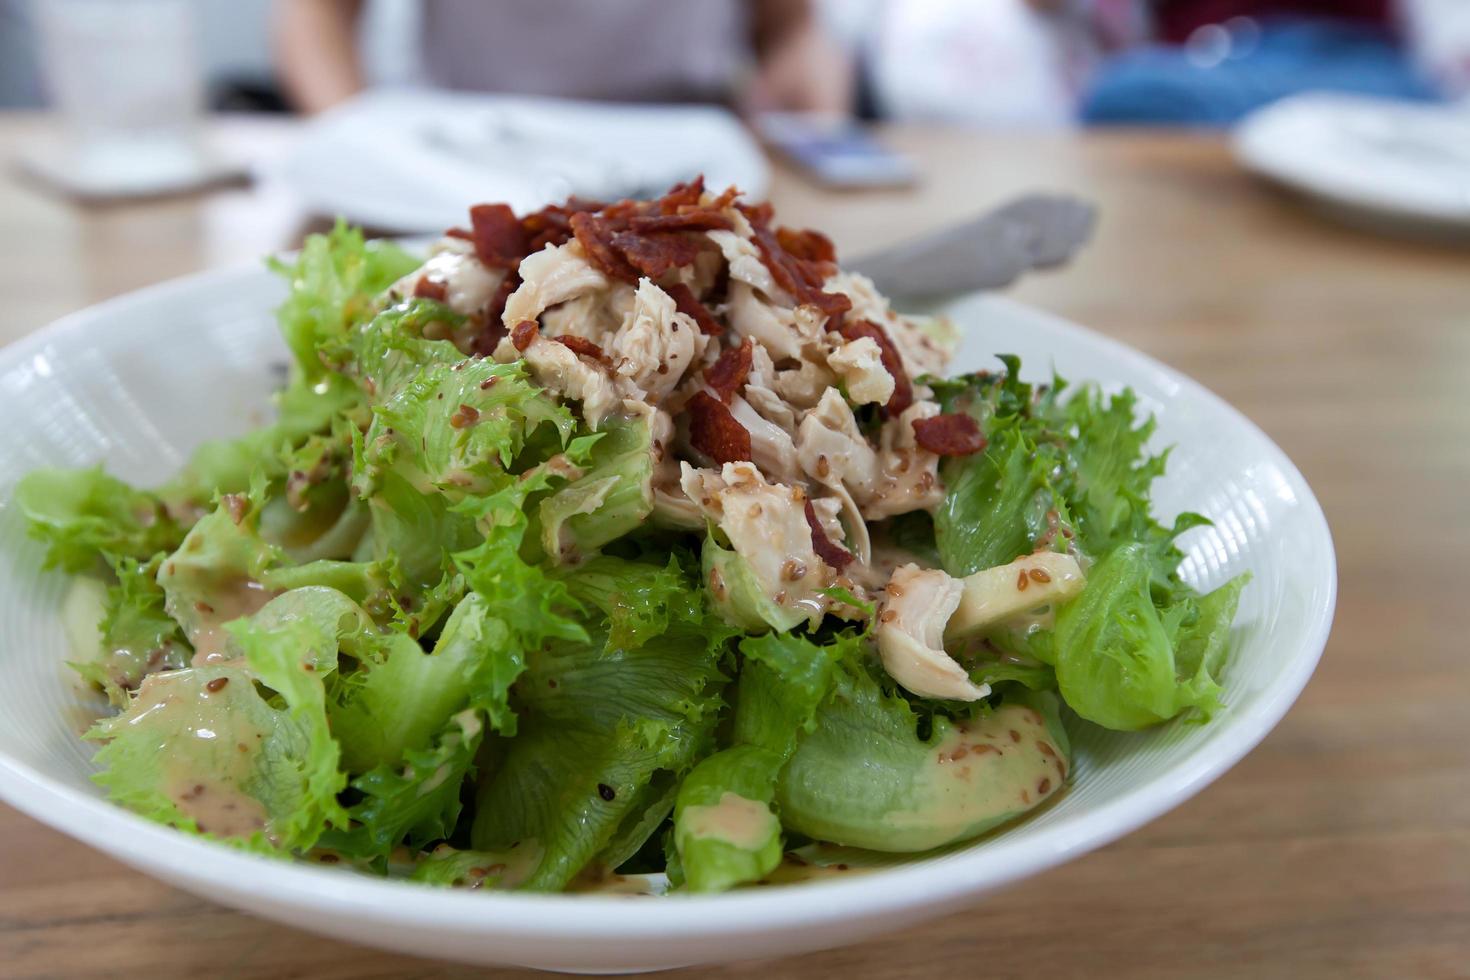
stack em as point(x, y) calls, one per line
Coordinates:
point(624, 50)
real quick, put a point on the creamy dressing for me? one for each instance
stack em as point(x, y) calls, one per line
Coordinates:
point(227, 602)
point(738, 821)
point(600, 883)
point(207, 744)
point(795, 869)
point(215, 807)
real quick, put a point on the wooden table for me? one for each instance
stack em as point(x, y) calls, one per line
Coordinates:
point(1339, 848)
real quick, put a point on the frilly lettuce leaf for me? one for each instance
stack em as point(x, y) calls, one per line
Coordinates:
point(1126, 664)
point(640, 599)
point(205, 750)
point(228, 465)
point(202, 750)
point(600, 721)
point(457, 427)
point(397, 699)
point(506, 869)
point(415, 800)
point(84, 514)
point(982, 520)
point(334, 283)
point(613, 496)
point(137, 637)
point(216, 573)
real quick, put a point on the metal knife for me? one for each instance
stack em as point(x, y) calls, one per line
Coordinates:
point(1036, 231)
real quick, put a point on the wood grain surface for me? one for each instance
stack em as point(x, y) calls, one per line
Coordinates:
point(1339, 848)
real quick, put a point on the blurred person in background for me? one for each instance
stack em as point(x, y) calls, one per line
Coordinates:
point(1214, 61)
point(757, 55)
point(1181, 62)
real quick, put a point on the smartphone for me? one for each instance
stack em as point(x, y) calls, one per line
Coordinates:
point(836, 151)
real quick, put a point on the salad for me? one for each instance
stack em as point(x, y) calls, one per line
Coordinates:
point(631, 537)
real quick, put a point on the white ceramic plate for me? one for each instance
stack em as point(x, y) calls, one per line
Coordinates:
point(1397, 166)
point(421, 158)
point(136, 381)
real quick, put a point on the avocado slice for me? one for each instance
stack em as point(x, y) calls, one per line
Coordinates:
point(910, 794)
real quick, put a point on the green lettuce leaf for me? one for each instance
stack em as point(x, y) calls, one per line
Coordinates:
point(450, 868)
point(458, 426)
point(600, 721)
point(137, 637)
point(399, 697)
point(1118, 656)
point(983, 520)
point(639, 599)
point(334, 283)
point(83, 514)
point(216, 573)
point(724, 828)
point(205, 750)
point(611, 498)
point(416, 800)
point(228, 465)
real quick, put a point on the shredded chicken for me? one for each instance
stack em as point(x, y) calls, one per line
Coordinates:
point(767, 527)
point(656, 344)
point(916, 606)
point(910, 474)
point(573, 376)
point(921, 353)
point(859, 363)
point(746, 267)
point(466, 284)
point(553, 275)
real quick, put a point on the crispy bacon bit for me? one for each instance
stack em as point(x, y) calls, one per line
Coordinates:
point(953, 434)
point(690, 219)
point(727, 375)
point(833, 554)
point(903, 391)
point(807, 244)
point(714, 431)
point(687, 304)
point(758, 214)
point(434, 289)
point(499, 241)
point(681, 195)
point(464, 417)
point(653, 255)
point(458, 233)
point(595, 233)
point(523, 333)
point(802, 278)
point(582, 347)
point(493, 329)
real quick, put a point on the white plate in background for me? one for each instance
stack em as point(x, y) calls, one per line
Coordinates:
point(413, 161)
point(94, 388)
point(1397, 165)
